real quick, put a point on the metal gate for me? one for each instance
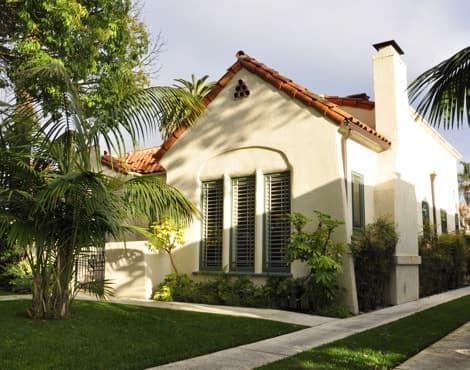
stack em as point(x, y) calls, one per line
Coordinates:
point(89, 266)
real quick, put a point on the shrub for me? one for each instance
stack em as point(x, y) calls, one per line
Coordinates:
point(321, 253)
point(467, 252)
point(312, 293)
point(444, 263)
point(9, 255)
point(175, 287)
point(373, 250)
point(278, 292)
point(19, 277)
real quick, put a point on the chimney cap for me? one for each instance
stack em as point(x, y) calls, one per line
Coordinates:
point(392, 43)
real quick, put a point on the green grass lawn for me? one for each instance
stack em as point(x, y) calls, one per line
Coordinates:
point(112, 336)
point(386, 346)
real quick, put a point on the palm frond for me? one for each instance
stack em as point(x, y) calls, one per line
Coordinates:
point(101, 289)
point(443, 92)
point(151, 197)
point(144, 232)
point(65, 116)
point(161, 107)
point(197, 87)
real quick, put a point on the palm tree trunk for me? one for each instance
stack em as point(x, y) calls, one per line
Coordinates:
point(61, 291)
point(39, 308)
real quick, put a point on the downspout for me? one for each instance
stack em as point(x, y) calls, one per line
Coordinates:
point(348, 279)
point(433, 198)
point(345, 131)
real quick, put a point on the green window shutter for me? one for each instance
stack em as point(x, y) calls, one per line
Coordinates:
point(212, 225)
point(426, 219)
point(276, 224)
point(425, 212)
point(242, 256)
point(358, 209)
point(443, 221)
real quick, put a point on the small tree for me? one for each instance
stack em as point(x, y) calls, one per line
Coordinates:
point(166, 236)
point(320, 252)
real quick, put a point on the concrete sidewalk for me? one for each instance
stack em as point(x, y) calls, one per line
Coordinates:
point(450, 353)
point(255, 313)
point(260, 353)
point(322, 330)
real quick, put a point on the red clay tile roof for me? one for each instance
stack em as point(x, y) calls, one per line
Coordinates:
point(329, 108)
point(354, 101)
point(148, 161)
point(140, 161)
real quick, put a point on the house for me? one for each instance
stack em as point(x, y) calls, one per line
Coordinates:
point(267, 146)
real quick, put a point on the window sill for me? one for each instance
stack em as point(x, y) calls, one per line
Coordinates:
point(244, 273)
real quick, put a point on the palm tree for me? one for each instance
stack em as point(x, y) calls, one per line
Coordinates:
point(55, 202)
point(197, 87)
point(443, 91)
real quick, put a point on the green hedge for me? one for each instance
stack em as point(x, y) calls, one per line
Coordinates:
point(444, 263)
point(373, 250)
point(278, 292)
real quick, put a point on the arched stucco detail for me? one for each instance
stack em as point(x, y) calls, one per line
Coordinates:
point(244, 161)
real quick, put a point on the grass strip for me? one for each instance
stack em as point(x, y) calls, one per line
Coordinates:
point(113, 336)
point(386, 346)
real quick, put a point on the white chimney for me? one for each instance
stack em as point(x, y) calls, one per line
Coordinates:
point(391, 100)
point(390, 89)
point(395, 194)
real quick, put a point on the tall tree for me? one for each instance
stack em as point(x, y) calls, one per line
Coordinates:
point(75, 70)
point(102, 43)
point(443, 91)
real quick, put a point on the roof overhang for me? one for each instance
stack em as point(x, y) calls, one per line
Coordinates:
point(369, 140)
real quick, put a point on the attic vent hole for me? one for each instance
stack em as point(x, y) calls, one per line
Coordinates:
point(241, 90)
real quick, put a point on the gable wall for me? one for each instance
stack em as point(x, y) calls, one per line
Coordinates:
point(269, 132)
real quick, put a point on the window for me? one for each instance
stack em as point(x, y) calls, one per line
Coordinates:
point(426, 219)
point(425, 213)
point(443, 221)
point(212, 225)
point(276, 223)
point(357, 191)
point(242, 256)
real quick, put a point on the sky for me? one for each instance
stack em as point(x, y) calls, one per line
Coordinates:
point(325, 46)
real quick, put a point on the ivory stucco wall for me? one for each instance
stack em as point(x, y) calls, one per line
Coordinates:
point(270, 132)
point(266, 132)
